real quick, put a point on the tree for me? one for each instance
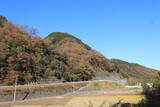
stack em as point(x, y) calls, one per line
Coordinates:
point(2, 20)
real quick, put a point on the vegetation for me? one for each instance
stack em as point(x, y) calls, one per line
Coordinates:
point(151, 92)
point(107, 84)
point(133, 72)
point(3, 20)
point(31, 58)
point(56, 37)
point(58, 57)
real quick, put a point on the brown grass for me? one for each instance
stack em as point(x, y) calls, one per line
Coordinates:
point(107, 84)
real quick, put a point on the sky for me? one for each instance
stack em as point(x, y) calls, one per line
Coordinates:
point(122, 29)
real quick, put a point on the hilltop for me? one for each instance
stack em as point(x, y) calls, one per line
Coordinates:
point(58, 57)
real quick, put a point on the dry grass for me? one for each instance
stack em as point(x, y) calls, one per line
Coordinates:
point(107, 84)
point(97, 101)
point(86, 101)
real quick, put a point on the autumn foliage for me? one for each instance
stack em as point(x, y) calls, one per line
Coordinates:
point(60, 56)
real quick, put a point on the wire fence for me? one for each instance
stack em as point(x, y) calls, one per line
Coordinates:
point(34, 90)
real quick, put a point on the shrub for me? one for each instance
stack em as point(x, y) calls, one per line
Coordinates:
point(152, 93)
point(2, 21)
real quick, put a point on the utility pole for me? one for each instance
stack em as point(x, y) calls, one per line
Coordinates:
point(15, 89)
point(73, 87)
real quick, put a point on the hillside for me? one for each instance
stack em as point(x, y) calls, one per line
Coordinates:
point(58, 57)
point(30, 58)
point(89, 60)
point(133, 71)
point(81, 57)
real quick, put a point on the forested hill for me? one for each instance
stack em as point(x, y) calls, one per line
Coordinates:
point(60, 56)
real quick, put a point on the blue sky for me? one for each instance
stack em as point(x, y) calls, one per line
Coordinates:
point(123, 29)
